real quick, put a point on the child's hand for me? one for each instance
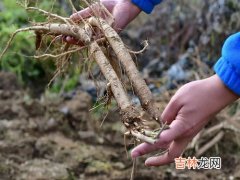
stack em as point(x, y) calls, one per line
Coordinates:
point(187, 113)
point(123, 12)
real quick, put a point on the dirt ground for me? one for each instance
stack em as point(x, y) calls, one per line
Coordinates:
point(57, 138)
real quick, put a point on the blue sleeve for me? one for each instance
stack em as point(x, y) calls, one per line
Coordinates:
point(146, 5)
point(228, 66)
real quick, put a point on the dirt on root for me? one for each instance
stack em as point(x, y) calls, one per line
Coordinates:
point(58, 138)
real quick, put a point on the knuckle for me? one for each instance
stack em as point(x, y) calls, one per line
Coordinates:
point(189, 87)
point(176, 101)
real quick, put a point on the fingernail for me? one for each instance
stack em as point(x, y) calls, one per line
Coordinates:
point(148, 162)
point(135, 154)
point(68, 38)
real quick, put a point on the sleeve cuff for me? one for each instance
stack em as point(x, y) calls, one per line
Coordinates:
point(146, 5)
point(228, 74)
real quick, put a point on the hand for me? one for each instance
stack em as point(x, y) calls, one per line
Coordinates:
point(188, 112)
point(123, 12)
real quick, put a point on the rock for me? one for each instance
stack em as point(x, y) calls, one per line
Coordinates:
point(177, 72)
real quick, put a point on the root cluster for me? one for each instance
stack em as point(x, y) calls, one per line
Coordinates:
point(85, 32)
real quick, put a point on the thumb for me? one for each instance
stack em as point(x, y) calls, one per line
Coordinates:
point(124, 13)
point(95, 8)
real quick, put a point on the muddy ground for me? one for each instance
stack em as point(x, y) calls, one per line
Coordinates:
point(58, 138)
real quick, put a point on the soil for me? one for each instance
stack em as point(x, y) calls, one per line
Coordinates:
point(58, 138)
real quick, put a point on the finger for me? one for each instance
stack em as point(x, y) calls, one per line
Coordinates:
point(166, 137)
point(175, 150)
point(85, 13)
point(171, 110)
point(71, 40)
point(119, 22)
point(176, 129)
point(129, 12)
point(145, 148)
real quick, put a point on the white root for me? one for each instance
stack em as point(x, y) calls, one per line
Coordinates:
point(83, 33)
point(143, 137)
point(106, 68)
point(139, 85)
point(68, 30)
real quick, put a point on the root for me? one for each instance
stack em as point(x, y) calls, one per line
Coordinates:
point(68, 21)
point(110, 66)
point(165, 126)
point(12, 37)
point(139, 85)
point(56, 29)
point(132, 116)
point(86, 33)
point(133, 169)
point(59, 55)
point(73, 8)
point(143, 138)
point(106, 68)
point(142, 50)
